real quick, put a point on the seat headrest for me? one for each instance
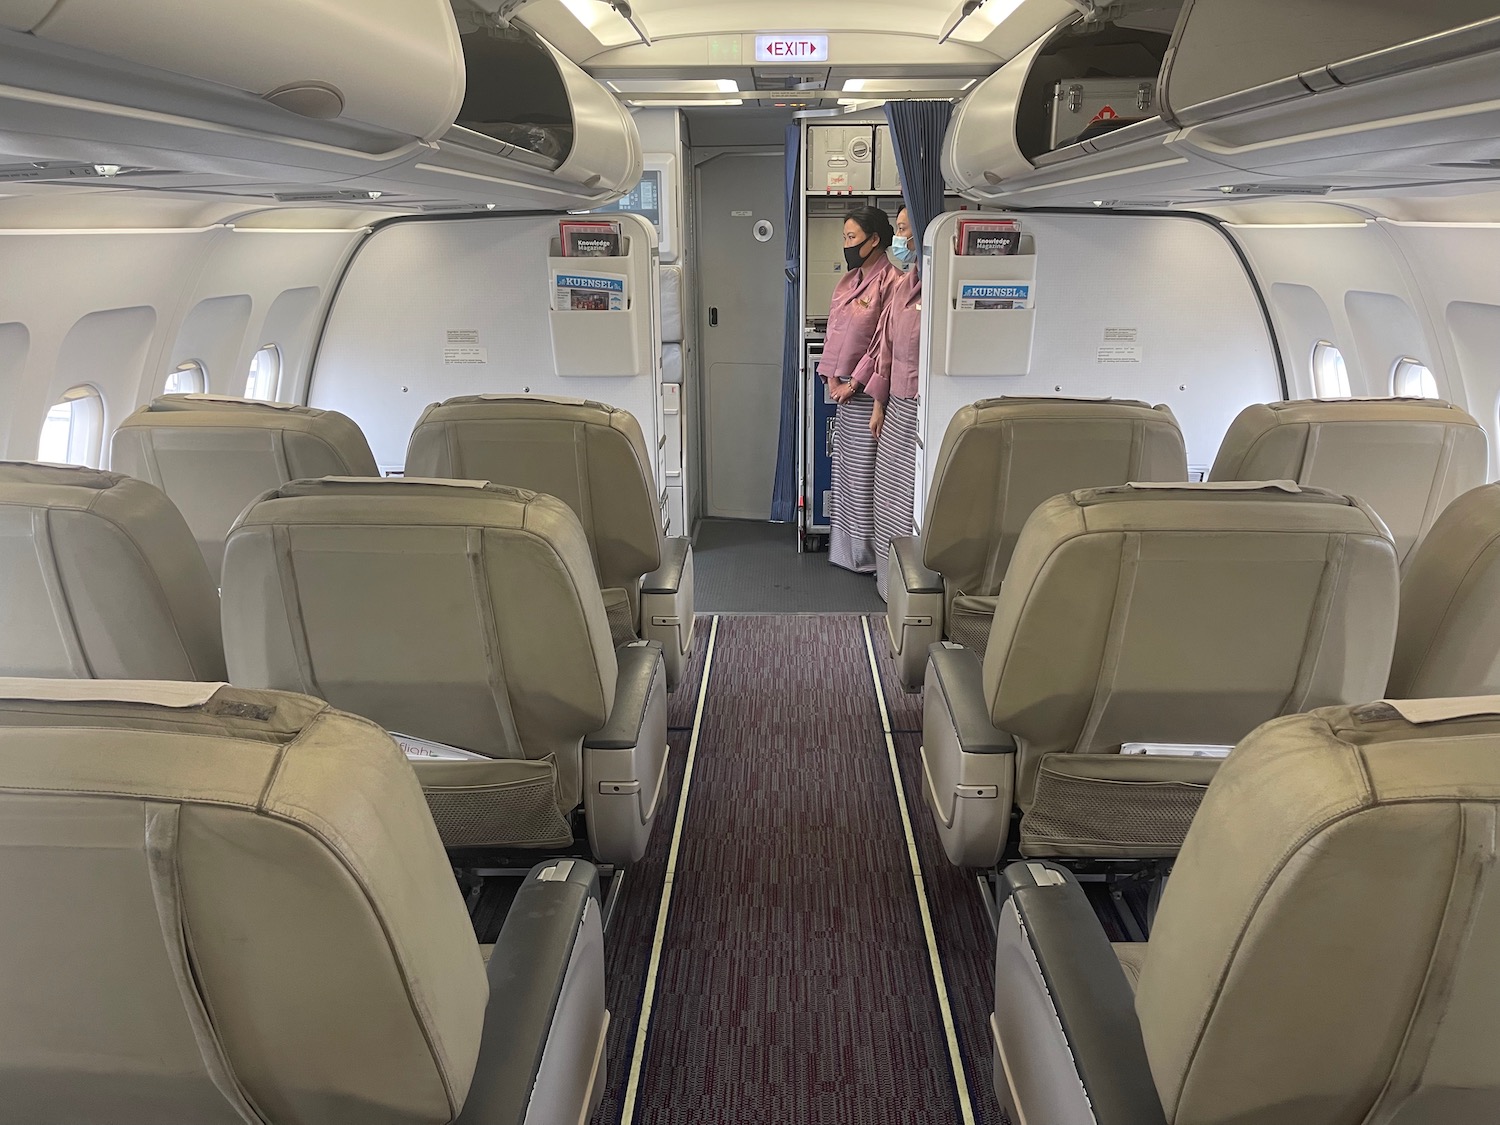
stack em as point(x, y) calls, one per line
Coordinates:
point(40, 482)
point(164, 404)
point(1046, 400)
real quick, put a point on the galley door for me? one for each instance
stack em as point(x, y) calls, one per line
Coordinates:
point(741, 306)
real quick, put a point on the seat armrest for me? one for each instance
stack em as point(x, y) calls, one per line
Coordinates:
point(914, 610)
point(667, 578)
point(958, 676)
point(639, 663)
point(667, 607)
point(1046, 914)
point(546, 977)
point(917, 579)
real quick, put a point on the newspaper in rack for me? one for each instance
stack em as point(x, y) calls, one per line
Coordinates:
point(986, 295)
point(593, 292)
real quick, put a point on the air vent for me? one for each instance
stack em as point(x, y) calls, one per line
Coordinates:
point(790, 80)
point(1269, 189)
point(327, 196)
point(43, 171)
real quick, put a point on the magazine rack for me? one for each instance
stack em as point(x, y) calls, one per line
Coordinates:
point(588, 343)
point(990, 341)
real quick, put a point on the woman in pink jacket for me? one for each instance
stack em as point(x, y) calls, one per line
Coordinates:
point(889, 375)
point(858, 301)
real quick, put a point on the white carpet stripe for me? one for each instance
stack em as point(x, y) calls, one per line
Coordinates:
point(643, 1027)
point(955, 1059)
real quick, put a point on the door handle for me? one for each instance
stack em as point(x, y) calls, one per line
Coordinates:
point(713, 316)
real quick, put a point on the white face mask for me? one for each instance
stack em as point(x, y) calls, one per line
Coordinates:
point(903, 251)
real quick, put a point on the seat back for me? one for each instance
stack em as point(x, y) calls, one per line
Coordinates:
point(1448, 636)
point(101, 579)
point(213, 455)
point(1186, 614)
point(223, 906)
point(1406, 458)
point(590, 456)
point(462, 612)
point(1326, 946)
point(1001, 457)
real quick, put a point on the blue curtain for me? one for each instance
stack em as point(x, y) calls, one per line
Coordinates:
point(784, 493)
point(917, 132)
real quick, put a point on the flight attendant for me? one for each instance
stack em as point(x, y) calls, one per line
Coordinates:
point(888, 373)
point(858, 301)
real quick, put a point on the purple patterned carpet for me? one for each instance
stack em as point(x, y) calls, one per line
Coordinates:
point(794, 983)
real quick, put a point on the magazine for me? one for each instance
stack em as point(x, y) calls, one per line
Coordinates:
point(589, 238)
point(990, 295)
point(590, 292)
point(988, 237)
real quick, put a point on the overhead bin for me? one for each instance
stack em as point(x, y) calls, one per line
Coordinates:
point(340, 100)
point(1012, 121)
point(1293, 108)
point(1273, 49)
point(526, 99)
point(394, 65)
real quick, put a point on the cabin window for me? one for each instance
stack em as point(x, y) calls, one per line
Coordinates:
point(188, 378)
point(1330, 376)
point(73, 431)
point(1410, 378)
point(265, 374)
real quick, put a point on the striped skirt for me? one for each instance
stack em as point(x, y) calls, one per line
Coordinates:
point(851, 541)
point(895, 480)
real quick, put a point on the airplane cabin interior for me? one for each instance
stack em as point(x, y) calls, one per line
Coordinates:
point(663, 562)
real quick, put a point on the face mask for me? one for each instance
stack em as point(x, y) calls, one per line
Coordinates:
point(854, 257)
point(903, 251)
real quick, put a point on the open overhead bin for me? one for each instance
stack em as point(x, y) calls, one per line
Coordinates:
point(1279, 97)
point(337, 100)
point(528, 102)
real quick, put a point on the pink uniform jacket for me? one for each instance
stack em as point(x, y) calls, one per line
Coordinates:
point(858, 300)
point(890, 366)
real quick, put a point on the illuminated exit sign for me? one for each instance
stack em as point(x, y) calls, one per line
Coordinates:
point(791, 48)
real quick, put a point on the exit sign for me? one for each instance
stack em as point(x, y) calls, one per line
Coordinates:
point(791, 48)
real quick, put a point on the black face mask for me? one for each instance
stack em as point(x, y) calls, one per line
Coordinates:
point(853, 258)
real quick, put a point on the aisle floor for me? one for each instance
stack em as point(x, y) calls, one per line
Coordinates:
point(743, 566)
point(793, 983)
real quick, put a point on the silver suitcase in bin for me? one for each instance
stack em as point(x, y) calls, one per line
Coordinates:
point(1077, 102)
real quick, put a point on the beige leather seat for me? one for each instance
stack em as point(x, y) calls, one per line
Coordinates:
point(1000, 458)
point(465, 615)
point(227, 906)
point(100, 578)
point(213, 455)
point(594, 458)
point(1174, 615)
point(1325, 951)
point(1448, 635)
point(1406, 458)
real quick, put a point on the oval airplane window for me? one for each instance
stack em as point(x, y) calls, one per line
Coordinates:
point(73, 431)
point(188, 378)
point(265, 374)
point(1411, 379)
point(1330, 375)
